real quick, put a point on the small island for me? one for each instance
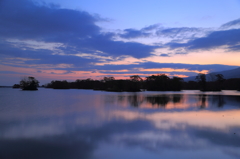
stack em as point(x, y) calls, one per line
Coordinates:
point(29, 83)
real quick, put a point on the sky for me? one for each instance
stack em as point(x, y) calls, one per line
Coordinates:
point(79, 39)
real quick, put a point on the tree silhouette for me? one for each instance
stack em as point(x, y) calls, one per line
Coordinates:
point(201, 78)
point(220, 79)
point(29, 83)
point(160, 82)
point(136, 78)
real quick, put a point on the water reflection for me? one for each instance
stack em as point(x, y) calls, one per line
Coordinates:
point(174, 101)
point(202, 100)
point(81, 124)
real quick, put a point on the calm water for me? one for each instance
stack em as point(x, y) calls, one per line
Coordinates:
point(86, 124)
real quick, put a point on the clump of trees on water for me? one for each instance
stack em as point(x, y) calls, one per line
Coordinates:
point(160, 82)
point(28, 83)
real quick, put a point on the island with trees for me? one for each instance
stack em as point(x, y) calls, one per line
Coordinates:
point(28, 83)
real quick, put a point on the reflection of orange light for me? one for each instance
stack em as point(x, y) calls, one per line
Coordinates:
point(217, 120)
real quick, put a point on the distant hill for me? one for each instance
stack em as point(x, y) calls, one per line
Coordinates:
point(234, 73)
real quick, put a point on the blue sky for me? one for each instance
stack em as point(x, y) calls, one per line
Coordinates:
point(76, 39)
point(172, 13)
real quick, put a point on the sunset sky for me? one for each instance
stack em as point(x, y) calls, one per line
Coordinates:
point(79, 39)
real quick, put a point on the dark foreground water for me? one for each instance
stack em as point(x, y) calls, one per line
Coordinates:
point(86, 124)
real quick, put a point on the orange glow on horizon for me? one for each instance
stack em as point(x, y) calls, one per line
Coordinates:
point(174, 70)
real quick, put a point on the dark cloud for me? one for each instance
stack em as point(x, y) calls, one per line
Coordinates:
point(231, 23)
point(40, 56)
point(182, 33)
point(214, 39)
point(133, 33)
point(61, 59)
point(164, 55)
point(151, 27)
point(118, 48)
point(12, 72)
point(31, 21)
point(149, 65)
point(74, 28)
point(179, 32)
point(234, 48)
point(147, 73)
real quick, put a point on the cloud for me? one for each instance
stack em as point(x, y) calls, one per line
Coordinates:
point(149, 65)
point(45, 36)
point(106, 44)
point(182, 32)
point(22, 57)
point(151, 27)
point(231, 24)
point(74, 29)
point(228, 38)
point(30, 20)
point(12, 72)
point(225, 36)
point(164, 55)
point(133, 33)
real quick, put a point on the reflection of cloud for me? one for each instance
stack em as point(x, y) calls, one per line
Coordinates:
point(222, 120)
point(159, 141)
point(233, 152)
point(220, 137)
point(154, 132)
point(79, 122)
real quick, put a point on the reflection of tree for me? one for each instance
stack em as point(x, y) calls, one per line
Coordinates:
point(110, 99)
point(201, 78)
point(121, 99)
point(161, 101)
point(177, 98)
point(202, 100)
point(218, 101)
point(221, 101)
point(135, 100)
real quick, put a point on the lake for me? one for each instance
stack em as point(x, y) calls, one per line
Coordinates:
point(86, 124)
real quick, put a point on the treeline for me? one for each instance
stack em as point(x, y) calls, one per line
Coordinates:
point(160, 82)
point(215, 83)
